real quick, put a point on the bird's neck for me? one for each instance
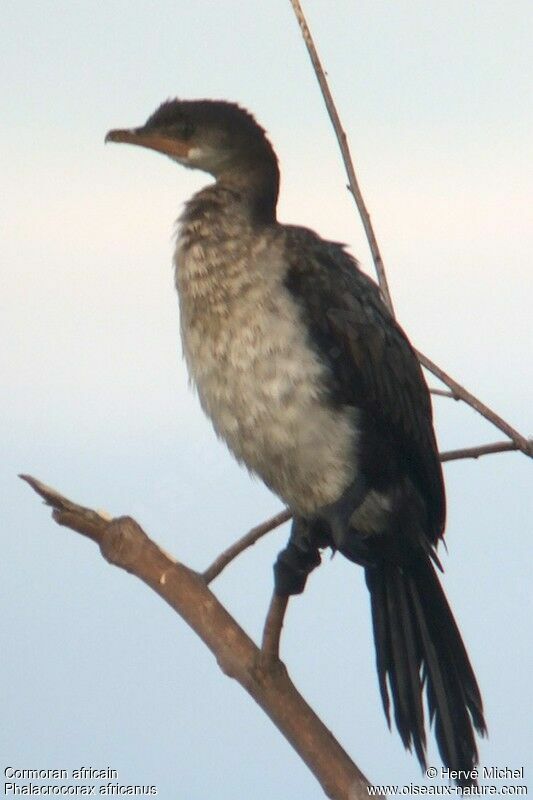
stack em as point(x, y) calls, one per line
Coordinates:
point(257, 184)
point(239, 199)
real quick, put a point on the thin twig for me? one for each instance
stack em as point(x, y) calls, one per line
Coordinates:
point(83, 520)
point(346, 155)
point(459, 391)
point(444, 393)
point(482, 450)
point(250, 538)
point(241, 544)
point(124, 544)
point(272, 629)
point(520, 441)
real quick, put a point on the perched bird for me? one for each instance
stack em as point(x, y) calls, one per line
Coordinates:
point(314, 386)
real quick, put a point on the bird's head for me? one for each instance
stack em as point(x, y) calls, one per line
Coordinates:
point(215, 136)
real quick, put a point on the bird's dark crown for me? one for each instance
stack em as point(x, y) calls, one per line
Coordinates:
point(192, 115)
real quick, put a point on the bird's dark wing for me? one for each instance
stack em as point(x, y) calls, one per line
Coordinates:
point(373, 367)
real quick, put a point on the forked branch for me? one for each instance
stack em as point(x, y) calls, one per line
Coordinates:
point(250, 538)
point(458, 391)
point(124, 544)
point(243, 543)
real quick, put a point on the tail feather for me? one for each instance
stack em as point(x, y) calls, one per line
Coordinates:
point(418, 644)
point(406, 632)
point(446, 702)
point(404, 673)
point(446, 630)
point(378, 599)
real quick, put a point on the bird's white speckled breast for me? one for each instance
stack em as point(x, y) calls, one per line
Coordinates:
point(257, 379)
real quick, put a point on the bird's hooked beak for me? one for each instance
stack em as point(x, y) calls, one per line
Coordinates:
point(154, 140)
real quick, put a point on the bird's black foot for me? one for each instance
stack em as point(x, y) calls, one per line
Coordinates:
point(329, 526)
point(298, 559)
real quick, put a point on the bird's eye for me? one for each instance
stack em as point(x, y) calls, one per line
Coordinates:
point(184, 129)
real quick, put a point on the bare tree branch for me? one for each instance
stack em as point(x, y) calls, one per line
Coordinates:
point(457, 390)
point(243, 543)
point(272, 628)
point(124, 544)
point(346, 155)
point(482, 450)
point(444, 393)
point(250, 538)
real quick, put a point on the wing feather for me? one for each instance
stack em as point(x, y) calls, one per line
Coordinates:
point(372, 362)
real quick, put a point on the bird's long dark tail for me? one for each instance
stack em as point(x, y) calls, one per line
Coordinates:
point(418, 644)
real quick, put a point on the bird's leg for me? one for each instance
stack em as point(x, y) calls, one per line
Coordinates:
point(336, 516)
point(291, 569)
point(299, 558)
point(328, 526)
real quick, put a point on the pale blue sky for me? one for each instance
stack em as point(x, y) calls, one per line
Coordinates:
point(436, 99)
